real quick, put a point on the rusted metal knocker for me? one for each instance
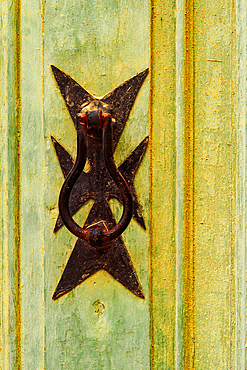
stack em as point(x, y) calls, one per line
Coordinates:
point(98, 125)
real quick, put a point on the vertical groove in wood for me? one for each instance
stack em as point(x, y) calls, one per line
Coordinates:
point(18, 133)
point(233, 191)
point(151, 188)
point(189, 316)
point(180, 173)
point(5, 304)
point(43, 196)
point(240, 265)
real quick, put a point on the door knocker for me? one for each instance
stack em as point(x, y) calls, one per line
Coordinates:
point(99, 124)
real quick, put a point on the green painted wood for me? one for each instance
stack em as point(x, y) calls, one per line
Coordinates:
point(9, 187)
point(99, 44)
point(32, 186)
point(100, 47)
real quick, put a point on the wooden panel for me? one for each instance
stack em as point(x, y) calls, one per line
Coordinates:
point(163, 185)
point(215, 147)
point(99, 44)
point(32, 186)
point(209, 330)
point(240, 111)
point(9, 190)
point(191, 260)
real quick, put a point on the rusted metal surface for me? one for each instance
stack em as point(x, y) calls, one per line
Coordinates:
point(94, 129)
point(102, 182)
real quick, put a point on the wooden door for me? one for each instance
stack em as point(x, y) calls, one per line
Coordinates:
point(190, 260)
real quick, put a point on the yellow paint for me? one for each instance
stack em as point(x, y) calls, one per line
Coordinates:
point(214, 185)
point(162, 163)
point(189, 203)
point(18, 193)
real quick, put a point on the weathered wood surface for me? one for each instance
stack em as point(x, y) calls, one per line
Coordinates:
point(219, 149)
point(214, 178)
point(99, 46)
point(99, 324)
point(163, 186)
point(9, 234)
point(191, 184)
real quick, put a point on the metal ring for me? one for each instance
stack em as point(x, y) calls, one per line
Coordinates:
point(97, 236)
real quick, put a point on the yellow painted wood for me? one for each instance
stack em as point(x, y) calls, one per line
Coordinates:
point(240, 278)
point(189, 187)
point(163, 186)
point(214, 220)
point(213, 279)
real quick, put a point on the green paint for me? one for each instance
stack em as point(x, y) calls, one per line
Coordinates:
point(32, 185)
point(100, 45)
point(9, 188)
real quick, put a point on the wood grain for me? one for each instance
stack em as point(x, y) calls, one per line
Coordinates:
point(214, 184)
point(191, 261)
point(163, 185)
point(99, 324)
point(9, 180)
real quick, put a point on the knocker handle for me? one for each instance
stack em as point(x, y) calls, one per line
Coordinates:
point(96, 235)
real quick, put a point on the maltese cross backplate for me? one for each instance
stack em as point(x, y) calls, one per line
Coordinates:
point(85, 260)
